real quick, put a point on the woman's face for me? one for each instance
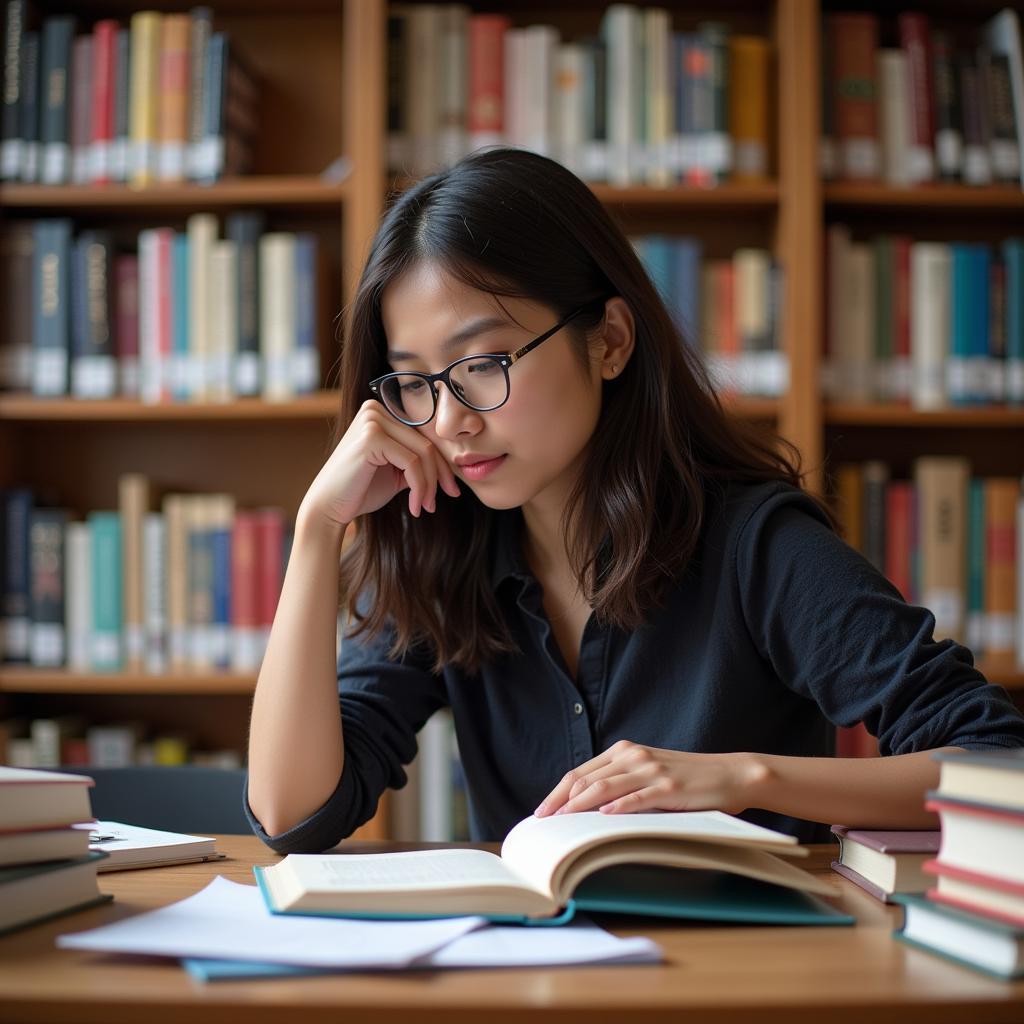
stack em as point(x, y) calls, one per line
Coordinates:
point(535, 441)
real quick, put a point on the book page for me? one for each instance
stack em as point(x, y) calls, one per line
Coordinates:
point(537, 848)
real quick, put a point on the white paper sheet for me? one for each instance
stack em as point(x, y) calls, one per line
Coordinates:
point(227, 920)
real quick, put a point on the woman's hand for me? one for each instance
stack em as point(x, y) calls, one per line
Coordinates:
point(376, 459)
point(630, 777)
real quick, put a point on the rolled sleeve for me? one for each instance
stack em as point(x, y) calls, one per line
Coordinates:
point(383, 704)
point(837, 632)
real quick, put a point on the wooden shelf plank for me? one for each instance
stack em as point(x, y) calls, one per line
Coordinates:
point(749, 407)
point(994, 198)
point(881, 414)
point(262, 190)
point(318, 406)
point(14, 679)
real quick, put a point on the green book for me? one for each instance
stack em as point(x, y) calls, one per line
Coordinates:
point(105, 546)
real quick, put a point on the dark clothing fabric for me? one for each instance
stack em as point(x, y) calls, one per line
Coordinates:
point(777, 633)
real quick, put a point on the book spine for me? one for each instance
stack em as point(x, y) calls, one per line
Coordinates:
point(11, 141)
point(29, 108)
point(453, 90)
point(853, 45)
point(120, 154)
point(269, 560)
point(126, 319)
point(1001, 498)
point(177, 581)
point(154, 576)
point(180, 316)
point(894, 117)
point(915, 41)
point(486, 79)
point(277, 313)
point(749, 89)
point(172, 109)
point(244, 229)
point(876, 481)
point(949, 140)
point(17, 575)
point(81, 109)
point(930, 318)
point(306, 360)
point(200, 582)
point(55, 150)
point(1003, 148)
point(133, 505)
point(94, 368)
point(144, 63)
point(201, 26)
point(976, 630)
point(977, 162)
point(245, 626)
point(899, 537)
point(202, 233)
point(105, 539)
point(104, 70)
point(51, 301)
point(224, 316)
point(46, 542)
point(78, 598)
point(222, 514)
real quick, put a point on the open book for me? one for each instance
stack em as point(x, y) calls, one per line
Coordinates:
point(542, 862)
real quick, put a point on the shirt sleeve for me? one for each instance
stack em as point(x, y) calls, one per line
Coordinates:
point(383, 703)
point(837, 632)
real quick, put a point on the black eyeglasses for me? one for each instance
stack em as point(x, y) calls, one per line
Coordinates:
point(479, 382)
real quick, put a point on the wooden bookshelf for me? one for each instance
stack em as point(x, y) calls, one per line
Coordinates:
point(32, 680)
point(878, 414)
point(936, 198)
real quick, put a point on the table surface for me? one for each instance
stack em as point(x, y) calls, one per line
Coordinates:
point(711, 972)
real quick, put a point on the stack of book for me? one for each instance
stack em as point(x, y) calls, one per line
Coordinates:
point(632, 103)
point(164, 99)
point(46, 867)
point(974, 914)
point(179, 316)
point(192, 585)
point(928, 324)
point(940, 106)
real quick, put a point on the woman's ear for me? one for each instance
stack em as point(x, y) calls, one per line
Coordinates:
point(618, 336)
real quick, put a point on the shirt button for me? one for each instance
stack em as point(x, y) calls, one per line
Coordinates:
point(578, 708)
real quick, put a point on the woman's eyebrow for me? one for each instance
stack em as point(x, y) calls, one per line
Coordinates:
point(469, 330)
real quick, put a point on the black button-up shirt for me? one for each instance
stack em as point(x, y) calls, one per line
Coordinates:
point(775, 634)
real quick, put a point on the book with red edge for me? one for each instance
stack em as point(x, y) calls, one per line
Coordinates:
point(983, 837)
point(977, 892)
point(884, 862)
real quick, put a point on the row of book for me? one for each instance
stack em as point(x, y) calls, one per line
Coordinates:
point(634, 104)
point(729, 308)
point(931, 324)
point(166, 99)
point(192, 586)
point(946, 540)
point(937, 107)
point(187, 316)
point(74, 741)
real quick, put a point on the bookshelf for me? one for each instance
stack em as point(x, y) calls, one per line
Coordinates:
point(323, 62)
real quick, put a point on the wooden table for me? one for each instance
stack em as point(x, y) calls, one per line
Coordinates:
point(711, 973)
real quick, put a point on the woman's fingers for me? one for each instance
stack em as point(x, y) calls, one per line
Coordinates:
point(411, 464)
point(603, 791)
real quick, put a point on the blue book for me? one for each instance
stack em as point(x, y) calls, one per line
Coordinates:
point(106, 590)
point(51, 302)
point(181, 386)
point(306, 357)
point(220, 544)
point(980, 387)
point(16, 584)
point(687, 288)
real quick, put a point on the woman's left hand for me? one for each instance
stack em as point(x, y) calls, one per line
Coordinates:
point(631, 777)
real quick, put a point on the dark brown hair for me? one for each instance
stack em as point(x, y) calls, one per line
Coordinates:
point(513, 223)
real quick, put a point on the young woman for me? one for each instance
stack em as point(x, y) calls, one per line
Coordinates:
point(623, 594)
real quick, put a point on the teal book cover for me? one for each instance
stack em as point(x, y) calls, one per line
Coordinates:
point(105, 544)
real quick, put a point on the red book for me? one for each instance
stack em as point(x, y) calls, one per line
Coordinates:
point(486, 115)
point(915, 40)
point(981, 837)
point(899, 514)
point(977, 892)
point(244, 571)
point(104, 46)
point(126, 323)
point(269, 560)
point(853, 40)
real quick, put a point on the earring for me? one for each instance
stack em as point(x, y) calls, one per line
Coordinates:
point(615, 369)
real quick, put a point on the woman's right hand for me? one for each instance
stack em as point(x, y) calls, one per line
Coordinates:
point(377, 458)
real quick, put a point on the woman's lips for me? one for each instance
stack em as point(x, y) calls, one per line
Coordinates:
point(479, 470)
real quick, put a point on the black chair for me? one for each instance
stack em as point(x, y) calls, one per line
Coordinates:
point(178, 798)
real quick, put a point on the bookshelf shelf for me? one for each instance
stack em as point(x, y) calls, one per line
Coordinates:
point(939, 198)
point(29, 680)
point(26, 408)
point(751, 408)
point(867, 414)
point(285, 191)
point(1011, 679)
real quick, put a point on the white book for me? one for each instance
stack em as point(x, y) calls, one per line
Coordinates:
point(424, 80)
point(514, 72)
point(452, 139)
point(621, 31)
point(435, 757)
point(154, 575)
point(1002, 35)
point(277, 313)
point(570, 117)
point(930, 323)
point(894, 110)
point(539, 84)
point(223, 319)
point(659, 94)
point(112, 746)
point(77, 595)
point(201, 229)
point(132, 846)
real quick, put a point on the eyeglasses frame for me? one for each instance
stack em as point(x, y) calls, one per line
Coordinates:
point(503, 359)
